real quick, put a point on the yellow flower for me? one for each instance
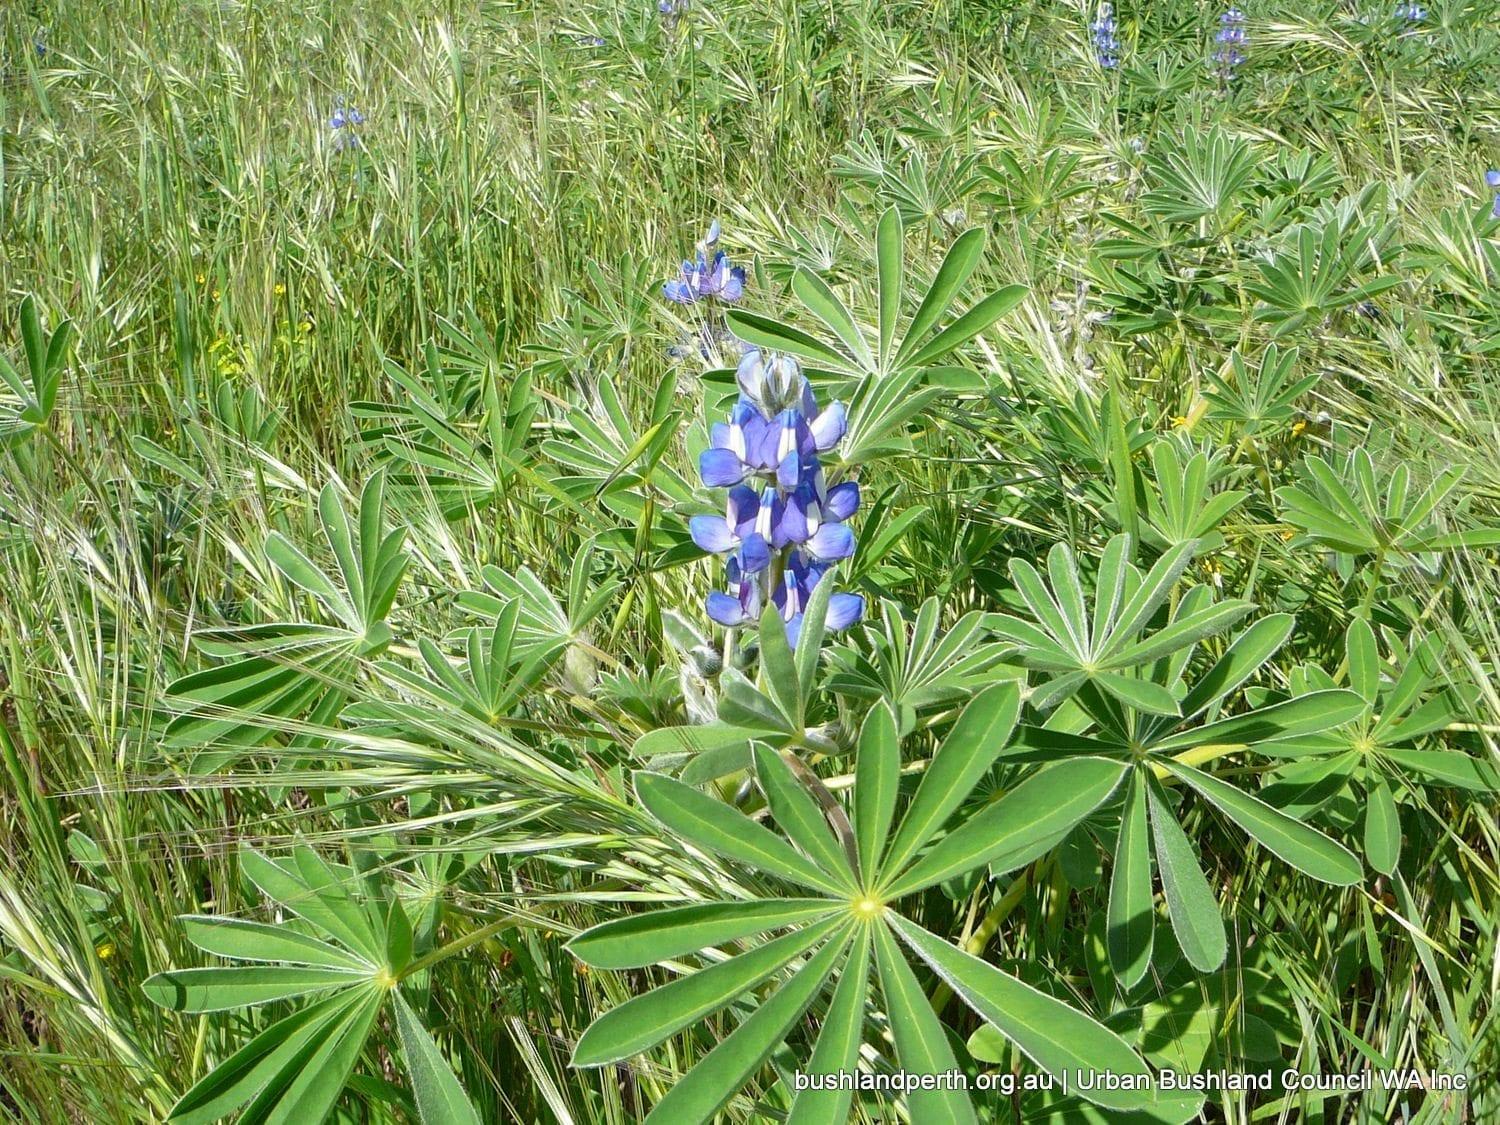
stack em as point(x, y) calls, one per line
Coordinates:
point(1180, 421)
point(279, 290)
point(216, 294)
point(105, 951)
point(1298, 426)
point(202, 280)
point(1287, 533)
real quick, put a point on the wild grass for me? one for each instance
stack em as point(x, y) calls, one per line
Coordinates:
point(249, 292)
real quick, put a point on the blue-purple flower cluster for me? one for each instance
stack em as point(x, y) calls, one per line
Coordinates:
point(1492, 181)
point(1106, 45)
point(345, 123)
point(1231, 40)
point(783, 528)
point(1411, 13)
point(707, 277)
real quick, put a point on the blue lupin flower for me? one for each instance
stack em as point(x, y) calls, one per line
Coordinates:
point(1411, 13)
point(1231, 40)
point(1106, 46)
point(1492, 181)
point(707, 277)
point(344, 122)
point(783, 526)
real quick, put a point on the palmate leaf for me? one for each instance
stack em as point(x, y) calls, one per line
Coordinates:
point(883, 361)
point(34, 391)
point(851, 915)
point(294, 1071)
point(1387, 744)
point(1076, 644)
point(291, 671)
point(1124, 724)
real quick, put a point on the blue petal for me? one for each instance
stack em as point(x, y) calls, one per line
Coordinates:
point(794, 629)
point(755, 554)
point(720, 468)
point(843, 501)
point(712, 534)
point(725, 609)
point(844, 610)
point(831, 542)
point(679, 292)
point(1492, 178)
point(830, 426)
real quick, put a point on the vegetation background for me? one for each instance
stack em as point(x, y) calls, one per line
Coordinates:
point(462, 290)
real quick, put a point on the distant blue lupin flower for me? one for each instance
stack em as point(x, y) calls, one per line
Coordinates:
point(1411, 13)
point(344, 123)
point(1492, 181)
point(783, 528)
point(1231, 37)
point(1106, 46)
point(705, 276)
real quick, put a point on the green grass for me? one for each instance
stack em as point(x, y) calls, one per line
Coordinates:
point(253, 304)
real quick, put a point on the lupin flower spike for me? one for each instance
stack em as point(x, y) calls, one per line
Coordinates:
point(1106, 46)
point(709, 275)
point(344, 123)
point(783, 527)
point(1231, 37)
point(1492, 181)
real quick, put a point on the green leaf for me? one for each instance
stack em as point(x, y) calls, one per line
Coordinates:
point(1364, 659)
point(981, 732)
point(1304, 848)
point(693, 740)
point(265, 1060)
point(710, 824)
point(1382, 828)
point(326, 905)
point(1131, 919)
point(971, 324)
point(435, 1088)
point(921, 1041)
point(1244, 656)
point(1050, 1033)
point(1025, 823)
point(256, 941)
point(814, 292)
point(960, 261)
point(661, 935)
point(764, 332)
point(1190, 902)
point(698, 1095)
point(799, 816)
point(1315, 711)
point(1448, 767)
point(837, 1050)
point(778, 667)
point(219, 989)
point(877, 780)
point(1142, 695)
point(889, 264)
point(645, 1020)
point(810, 641)
point(324, 1073)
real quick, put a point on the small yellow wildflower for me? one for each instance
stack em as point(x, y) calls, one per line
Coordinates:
point(1298, 426)
point(105, 951)
point(216, 294)
point(1180, 422)
point(279, 290)
point(1287, 533)
point(202, 280)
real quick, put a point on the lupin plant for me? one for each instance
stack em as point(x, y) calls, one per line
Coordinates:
point(1106, 45)
point(783, 527)
point(1411, 13)
point(1230, 38)
point(705, 277)
point(1492, 181)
